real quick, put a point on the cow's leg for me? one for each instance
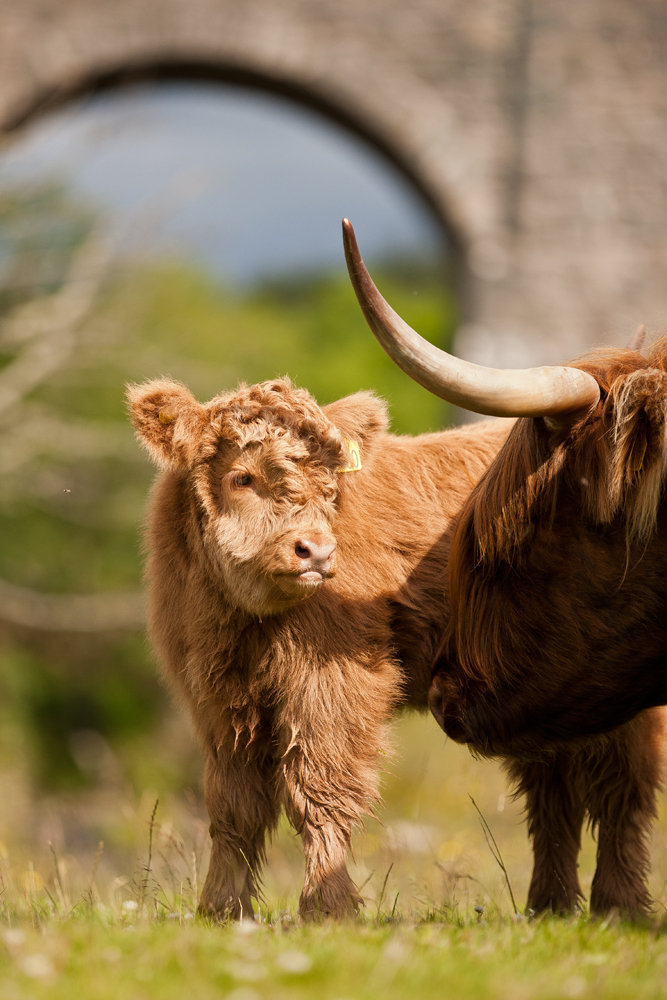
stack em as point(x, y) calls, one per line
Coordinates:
point(331, 769)
point(555, 808)
point(243, 807)
point(621, 800)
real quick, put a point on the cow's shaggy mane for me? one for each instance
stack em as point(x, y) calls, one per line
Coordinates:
point(616, 459)
point(609, 469)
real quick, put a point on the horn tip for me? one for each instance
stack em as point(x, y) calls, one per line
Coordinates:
point(350, 241)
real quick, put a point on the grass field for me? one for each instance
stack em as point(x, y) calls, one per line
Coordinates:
point(499, 959)
point(99, 903)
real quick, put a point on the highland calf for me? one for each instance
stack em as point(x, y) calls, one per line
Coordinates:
point(555, 650)
point(296, 563)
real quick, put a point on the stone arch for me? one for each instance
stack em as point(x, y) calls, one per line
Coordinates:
point(50, 98)
point(537, 129)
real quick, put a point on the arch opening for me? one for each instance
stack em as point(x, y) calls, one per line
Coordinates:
point(175, 70)
point(318, 115)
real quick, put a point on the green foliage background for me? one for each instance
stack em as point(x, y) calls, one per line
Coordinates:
point(70, 517)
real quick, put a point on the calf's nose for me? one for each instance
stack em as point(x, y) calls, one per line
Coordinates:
point(317, 551)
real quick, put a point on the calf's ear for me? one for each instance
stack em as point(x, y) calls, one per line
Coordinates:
point(168, 420)
point(360, 417)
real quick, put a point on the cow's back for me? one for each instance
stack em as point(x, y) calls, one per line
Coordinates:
point(394, 526)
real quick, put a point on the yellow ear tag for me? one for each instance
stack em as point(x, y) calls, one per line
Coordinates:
point(639, 461)
point(352, 455)
point(164, 418)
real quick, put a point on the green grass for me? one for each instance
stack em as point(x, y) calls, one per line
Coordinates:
point(96, 923)
point(130, 957)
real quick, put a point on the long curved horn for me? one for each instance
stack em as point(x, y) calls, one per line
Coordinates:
point(563, 394)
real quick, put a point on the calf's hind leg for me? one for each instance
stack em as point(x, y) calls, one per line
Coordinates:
point(555, 809)
point(243, 808)
point(622, 781)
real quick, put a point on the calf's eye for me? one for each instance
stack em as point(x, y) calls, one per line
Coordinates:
point(243, 479)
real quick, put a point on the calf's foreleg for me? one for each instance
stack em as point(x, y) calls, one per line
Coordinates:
point(331, 770)
point(324, 814)
point(243, 807)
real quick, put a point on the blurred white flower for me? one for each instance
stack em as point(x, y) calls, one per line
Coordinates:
point(37, 966)
point(295, 962)
point(14, 937)
point(247, 926)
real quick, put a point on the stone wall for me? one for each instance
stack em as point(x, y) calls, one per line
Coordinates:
point(538, 130)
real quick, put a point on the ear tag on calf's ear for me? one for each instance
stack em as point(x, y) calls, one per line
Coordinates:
point(164, 418)
point(352, 456)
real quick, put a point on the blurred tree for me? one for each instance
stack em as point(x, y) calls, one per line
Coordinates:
point(40, 228)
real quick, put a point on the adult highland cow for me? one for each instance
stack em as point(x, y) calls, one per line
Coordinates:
point(296, 565)
point(557, 631)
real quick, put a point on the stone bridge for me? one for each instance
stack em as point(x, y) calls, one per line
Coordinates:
point(535, 129)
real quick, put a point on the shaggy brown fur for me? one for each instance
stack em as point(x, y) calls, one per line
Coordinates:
point(558, 628)
point(291, 682)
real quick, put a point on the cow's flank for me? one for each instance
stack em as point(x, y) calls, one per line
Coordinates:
point(557, 636)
